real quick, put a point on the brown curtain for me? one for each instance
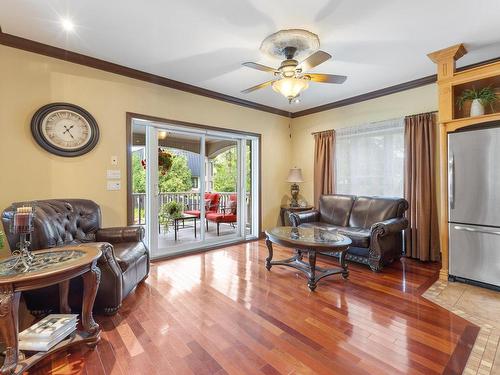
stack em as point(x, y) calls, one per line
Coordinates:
point(324, 175)
point(422, 236)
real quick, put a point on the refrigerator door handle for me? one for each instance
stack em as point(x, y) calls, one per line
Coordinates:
point(467, 229)
point(451, 176)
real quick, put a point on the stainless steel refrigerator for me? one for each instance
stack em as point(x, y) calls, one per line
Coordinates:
point(474, 204)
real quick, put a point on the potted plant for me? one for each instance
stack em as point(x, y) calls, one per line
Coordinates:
point(479, 99)
point(165, 160)
point(168, 212)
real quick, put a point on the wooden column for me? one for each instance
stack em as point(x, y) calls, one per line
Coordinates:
point(445, 60)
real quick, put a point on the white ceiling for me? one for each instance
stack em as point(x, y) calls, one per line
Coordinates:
point(203, 42)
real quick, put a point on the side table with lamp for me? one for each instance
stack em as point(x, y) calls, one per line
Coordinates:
point(294, 176)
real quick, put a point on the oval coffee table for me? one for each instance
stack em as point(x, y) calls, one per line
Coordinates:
point(311, 241)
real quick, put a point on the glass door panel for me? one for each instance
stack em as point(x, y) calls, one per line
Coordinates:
point(222, 194)
point(192, 188)
point(177, 187)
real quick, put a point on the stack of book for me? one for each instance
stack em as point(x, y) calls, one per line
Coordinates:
point(48, 332)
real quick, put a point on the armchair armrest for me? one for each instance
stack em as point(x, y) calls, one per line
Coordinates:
point(297, 218)
point(120, 234)
point(389, 226)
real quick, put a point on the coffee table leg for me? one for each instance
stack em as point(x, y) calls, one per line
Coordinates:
point(9, 307)
point(91, 281)
point(194, 227)
point(312, 276)
point(269, 245)
point(343, 264)
point(175, 229)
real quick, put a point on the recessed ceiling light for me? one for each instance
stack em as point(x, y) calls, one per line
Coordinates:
point(67, 24)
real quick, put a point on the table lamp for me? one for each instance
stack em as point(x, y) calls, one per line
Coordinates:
point(294, 176)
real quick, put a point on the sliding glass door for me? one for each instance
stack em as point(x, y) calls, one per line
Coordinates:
point(193, 188)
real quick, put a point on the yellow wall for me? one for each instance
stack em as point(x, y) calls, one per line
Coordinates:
point(29, 81)
point(419, 100)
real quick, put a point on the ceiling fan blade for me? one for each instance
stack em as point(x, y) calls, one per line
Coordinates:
point(253, 88)
point(326, 78)
point(259, 67)
point(315, 59)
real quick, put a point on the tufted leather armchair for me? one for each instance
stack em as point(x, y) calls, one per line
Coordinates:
point(61, 222)
point(374, 224)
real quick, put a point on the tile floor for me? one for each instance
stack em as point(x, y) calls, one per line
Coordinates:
point(481, 307)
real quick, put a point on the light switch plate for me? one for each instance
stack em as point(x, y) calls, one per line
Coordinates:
point(114, 160)
point(114, 185)
point(113, 174)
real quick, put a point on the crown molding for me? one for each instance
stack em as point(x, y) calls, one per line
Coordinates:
point(92, 62)
point(77, 58)
point(385, 91)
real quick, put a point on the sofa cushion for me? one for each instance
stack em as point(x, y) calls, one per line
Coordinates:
point(336, 209)
point(127, 253)
point(360, 237)
point(367, 211)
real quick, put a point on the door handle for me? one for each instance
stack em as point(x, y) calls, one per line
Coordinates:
point(451, 176)
point(467, 229)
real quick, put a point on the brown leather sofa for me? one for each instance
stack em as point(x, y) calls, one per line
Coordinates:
point(374, 224)
point(60, 222)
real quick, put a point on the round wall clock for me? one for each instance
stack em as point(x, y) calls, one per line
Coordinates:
point(65, 129)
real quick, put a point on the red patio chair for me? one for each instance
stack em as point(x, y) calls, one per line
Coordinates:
point(211, 205)
point(227, 214)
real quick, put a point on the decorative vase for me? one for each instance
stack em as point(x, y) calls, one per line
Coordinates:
point(476, 108)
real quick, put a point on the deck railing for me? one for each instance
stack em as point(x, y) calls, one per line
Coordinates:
point(189, 200)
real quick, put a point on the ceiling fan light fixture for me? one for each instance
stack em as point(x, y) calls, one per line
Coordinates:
point(290, 88)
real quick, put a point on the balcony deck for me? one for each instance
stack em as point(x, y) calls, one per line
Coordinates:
point(186, 235)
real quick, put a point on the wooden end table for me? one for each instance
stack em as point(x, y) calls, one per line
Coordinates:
point(285, 209)
point(311, 241)
point(53, 266)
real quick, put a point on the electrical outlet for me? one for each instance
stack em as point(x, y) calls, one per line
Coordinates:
point(114, 160)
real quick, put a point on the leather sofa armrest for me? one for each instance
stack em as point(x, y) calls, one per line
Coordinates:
point(110, 293)
point(389, 226)
point(297, 218)
point(120, 234)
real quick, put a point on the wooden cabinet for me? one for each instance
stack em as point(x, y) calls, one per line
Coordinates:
point(450, 86)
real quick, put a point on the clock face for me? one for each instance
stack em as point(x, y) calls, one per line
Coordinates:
point(66, 129)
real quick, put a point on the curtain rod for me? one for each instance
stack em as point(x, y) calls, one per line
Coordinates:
point(323, 131)
point(415, 114)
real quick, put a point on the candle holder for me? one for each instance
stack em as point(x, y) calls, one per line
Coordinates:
point(22, 225)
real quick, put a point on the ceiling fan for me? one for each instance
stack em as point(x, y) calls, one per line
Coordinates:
point(291, 78)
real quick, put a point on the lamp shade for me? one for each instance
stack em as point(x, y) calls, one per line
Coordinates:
point(290, 87)
point(295, 175)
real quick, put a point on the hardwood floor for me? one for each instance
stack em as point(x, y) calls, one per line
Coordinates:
point(222, 312)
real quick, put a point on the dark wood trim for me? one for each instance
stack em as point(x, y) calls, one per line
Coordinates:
point(92, 62)
point(130, 116)
point(385, 91)
point(128, 143)
point(456, 363)
point(369, 95)
point(187, 124)
point(77, 58)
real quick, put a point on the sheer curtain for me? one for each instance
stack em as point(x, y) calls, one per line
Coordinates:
point(370, 159)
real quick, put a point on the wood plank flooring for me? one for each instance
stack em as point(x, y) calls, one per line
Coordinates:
point(222, 312)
